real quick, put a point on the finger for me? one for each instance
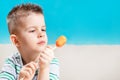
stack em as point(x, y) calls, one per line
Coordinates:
point(43, 60)
point(44, 56)
point(50, 47)
point(23, 74)
point(33, 66)
point(21, 78)
point(49, 50)
point(29, 71)
point(49, 53)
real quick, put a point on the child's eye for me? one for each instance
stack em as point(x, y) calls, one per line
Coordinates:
point(43, 29)
point(32, 31)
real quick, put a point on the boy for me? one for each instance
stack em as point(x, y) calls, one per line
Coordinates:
point(34, 60)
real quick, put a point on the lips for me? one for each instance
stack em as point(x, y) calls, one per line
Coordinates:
point(41, 42)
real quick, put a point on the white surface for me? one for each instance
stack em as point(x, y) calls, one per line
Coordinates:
point(82, 62)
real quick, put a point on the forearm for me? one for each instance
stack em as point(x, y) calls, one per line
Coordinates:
point(43, 74)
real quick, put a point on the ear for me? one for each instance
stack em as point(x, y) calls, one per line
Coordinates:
point(14, 40)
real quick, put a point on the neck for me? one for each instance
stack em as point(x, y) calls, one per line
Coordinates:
point(29, 56)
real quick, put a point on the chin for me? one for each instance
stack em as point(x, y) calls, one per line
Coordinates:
point(40, 48)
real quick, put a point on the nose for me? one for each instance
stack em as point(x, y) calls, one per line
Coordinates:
point(40, 34)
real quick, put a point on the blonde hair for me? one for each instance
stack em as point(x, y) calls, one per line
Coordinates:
point(18, 12)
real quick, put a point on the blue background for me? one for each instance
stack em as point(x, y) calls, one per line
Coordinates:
point(83, 22)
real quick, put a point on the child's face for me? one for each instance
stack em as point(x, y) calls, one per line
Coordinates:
point(32, 35)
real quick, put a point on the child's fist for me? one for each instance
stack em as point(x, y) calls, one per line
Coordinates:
point(46, 57)
point(28, 71)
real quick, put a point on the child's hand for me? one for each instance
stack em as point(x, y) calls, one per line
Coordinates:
point(28, 71)
point(45, 57)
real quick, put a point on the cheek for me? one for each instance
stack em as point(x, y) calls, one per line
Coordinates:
point(26, 39)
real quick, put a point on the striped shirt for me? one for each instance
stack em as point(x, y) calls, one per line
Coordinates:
point(13, 65)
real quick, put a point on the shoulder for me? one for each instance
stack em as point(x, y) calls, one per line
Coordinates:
point(10, 68)
point(13, 59)
point(11, 64)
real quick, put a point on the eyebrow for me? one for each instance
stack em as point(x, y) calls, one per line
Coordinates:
point(34, 27)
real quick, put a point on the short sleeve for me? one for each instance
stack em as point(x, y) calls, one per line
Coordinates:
point(54, 69)
point(8, 70)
